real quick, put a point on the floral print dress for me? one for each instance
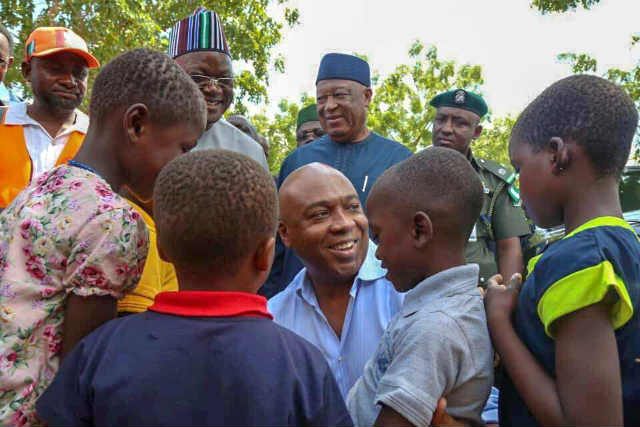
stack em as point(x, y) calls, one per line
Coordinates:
point(67, 233)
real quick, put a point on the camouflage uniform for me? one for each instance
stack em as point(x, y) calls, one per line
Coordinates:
point(501, 217)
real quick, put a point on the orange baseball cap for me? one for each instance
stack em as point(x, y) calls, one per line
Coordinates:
point(45, 41)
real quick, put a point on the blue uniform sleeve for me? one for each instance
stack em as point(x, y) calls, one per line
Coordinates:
point(66, 402)
point(333, 411)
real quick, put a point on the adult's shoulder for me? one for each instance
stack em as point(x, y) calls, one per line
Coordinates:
point(299, 349)
point(238, 134)
point(498, 170)
point(320, 150)
point(247, 145)
point(223, 135)
point(281, 304)
point(98, 342)
point(390, 144)
point(320, 145)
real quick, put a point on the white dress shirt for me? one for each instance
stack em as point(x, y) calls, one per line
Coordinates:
point(43, 148)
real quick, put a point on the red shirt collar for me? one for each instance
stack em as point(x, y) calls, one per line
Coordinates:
point(211, 304)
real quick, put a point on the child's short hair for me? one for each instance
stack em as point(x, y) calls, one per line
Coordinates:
point(595, 113)
point(150, 78)
point(440, 182)
point(212, 208)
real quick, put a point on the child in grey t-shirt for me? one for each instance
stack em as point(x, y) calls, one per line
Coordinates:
point(421, 213)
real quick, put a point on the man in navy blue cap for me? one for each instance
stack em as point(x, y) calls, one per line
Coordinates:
point(343, 93)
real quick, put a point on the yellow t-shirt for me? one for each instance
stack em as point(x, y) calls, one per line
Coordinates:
point(157, 276)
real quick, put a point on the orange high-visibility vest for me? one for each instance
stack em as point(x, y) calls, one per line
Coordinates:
point(15, 163)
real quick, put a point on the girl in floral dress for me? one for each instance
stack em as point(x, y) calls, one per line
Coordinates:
point(69, 245)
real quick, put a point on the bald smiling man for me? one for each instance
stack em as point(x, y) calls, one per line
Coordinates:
point(340, 301)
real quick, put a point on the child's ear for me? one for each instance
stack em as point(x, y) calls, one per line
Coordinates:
point(265, 252)
point(284, 233)
point(135, 121)
point(422, 231)
point(561, 155)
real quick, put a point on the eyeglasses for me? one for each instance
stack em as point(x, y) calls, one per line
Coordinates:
point(310, 133)
point(206, 81)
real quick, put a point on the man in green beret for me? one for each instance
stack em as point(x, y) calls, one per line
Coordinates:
point(495, 241)
point(308, 126)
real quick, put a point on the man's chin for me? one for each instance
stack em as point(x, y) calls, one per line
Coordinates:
point(60, 103)
point(213, 117)
point(339, 135)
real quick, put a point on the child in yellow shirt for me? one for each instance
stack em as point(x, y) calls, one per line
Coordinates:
point(157, 276)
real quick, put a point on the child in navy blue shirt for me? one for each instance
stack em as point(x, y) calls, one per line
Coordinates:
point(569, 338)
point(210, 353)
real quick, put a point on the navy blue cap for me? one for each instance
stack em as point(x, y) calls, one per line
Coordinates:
point(340, 66)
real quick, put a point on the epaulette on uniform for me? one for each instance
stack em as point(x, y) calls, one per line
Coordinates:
point(505, 174)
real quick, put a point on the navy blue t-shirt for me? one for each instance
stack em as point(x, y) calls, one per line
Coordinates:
point(598, 257)
point(362, 163)
point(175, 370)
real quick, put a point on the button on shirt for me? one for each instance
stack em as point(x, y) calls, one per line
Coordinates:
point(438, 345)
point(43, 149)
point(373, 302)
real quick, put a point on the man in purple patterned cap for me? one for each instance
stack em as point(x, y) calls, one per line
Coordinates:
point(199, 46)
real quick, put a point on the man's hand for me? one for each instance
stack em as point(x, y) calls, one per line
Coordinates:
point(500, 300)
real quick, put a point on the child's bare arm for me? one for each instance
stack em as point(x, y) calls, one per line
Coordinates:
point(564, 401)
point(537, 389)
point(389, 417)
point(83, 315)
point(587, 367)
point(509, 256)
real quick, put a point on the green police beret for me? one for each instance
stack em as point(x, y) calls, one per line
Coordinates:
point(460, 98)
point(307, 114)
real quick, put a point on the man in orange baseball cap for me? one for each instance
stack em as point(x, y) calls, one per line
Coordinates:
point(50, 130)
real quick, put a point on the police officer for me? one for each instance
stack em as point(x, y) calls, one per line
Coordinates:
point(495, 241)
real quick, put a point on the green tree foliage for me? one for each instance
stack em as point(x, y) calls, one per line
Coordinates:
point(400, 108)
point(551, 6)
point(584, 63)
point(494, 142)
point(280, 129)
point(628, 79)
point(111, 27)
